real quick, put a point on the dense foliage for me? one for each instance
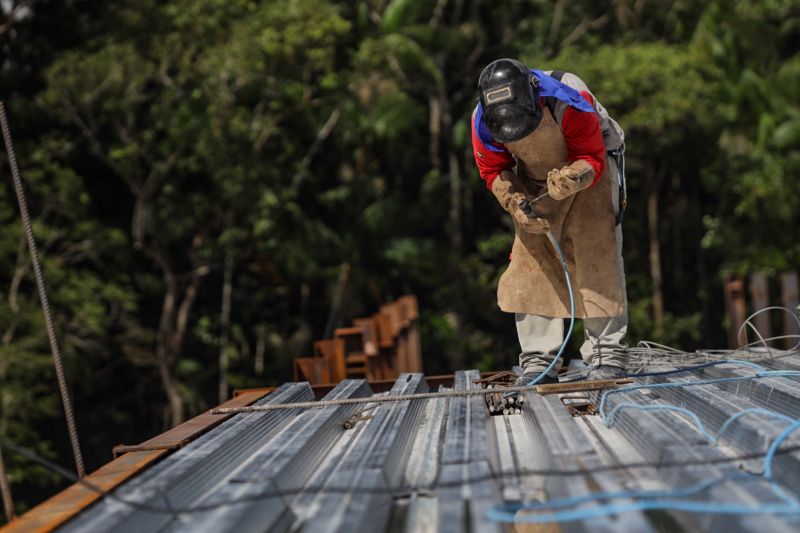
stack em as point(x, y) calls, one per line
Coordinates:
point(206, 175)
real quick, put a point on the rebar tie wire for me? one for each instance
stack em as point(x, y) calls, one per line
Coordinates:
point(37, 271)
point(550, 388)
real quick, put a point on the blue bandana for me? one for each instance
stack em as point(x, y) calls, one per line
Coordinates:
point(548, 86)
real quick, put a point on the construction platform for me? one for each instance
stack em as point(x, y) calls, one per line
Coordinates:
point(446, 464)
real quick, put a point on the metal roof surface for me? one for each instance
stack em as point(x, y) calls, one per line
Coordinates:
point(447, 465)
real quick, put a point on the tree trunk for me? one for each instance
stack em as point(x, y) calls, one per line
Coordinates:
point(655, 260)
point(172, 329)
point(261, 350)
point(225, 324)
point(334, 317)
point(435, 131)
point(175, 415)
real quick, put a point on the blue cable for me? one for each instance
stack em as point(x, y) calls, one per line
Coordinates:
point(648, 505)
point(771, 455)
point(555, 360)
point(764, 374)
point(694, 367)
point(609, 420)
point(653, 498)
point(753, 410)
point(588, 498)
point(606, 394)
point(653, 501)
point(774, 447)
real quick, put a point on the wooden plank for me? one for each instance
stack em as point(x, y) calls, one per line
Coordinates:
point(759, 292)
point(789, 299)
point(734, 307)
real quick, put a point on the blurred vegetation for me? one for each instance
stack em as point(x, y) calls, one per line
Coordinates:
point(172, 147)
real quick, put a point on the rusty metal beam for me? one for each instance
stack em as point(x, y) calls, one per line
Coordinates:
point(182, 434)
point(52, 513)
point(129, 461)
point(581, 386)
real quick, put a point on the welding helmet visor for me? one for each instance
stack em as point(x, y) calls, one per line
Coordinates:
point(509, 95)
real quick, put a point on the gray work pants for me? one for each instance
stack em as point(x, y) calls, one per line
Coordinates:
point(540, 337)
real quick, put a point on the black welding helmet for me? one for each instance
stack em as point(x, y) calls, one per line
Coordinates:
point(509, 96)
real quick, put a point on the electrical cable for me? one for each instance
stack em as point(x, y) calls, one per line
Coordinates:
point(40, 286)
point(682, 384)
point(790, 506)
point(678, 370)
point(509, 514)
point(500, 515)
point(691, 368)
point(560, 353)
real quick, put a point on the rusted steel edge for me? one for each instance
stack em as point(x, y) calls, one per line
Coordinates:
point(53, 513)
point(56, 511)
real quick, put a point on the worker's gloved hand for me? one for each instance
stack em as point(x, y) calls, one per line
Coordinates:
point(528, 224)
point(563, 183)
point(509, 196)
point(507, 190)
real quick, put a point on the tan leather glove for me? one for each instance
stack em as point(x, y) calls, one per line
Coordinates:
point(563, 183)
point(509, 196)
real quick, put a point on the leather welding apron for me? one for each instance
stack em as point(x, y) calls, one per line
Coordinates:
point(584, 226)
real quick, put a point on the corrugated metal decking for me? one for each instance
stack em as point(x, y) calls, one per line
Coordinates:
point(443, 464)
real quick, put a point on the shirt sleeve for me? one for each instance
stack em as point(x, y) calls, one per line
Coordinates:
point(584, 138)
point(490, 163)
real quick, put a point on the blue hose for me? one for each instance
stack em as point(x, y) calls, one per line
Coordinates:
point(560, 353)
point(667, 499)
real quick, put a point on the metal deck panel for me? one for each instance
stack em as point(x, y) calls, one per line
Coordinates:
point(443, 464)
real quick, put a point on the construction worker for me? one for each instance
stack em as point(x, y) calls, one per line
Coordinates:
point(535, 133)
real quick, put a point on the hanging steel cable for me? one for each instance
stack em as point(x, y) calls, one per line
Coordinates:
point(5, 490)
point(37, 271)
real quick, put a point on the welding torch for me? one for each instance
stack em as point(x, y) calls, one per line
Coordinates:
point(526, 206)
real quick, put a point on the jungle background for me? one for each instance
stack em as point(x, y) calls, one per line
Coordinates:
point(206, 176)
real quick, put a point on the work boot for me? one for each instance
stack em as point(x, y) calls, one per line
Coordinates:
point(528, 377)
point(605, 372)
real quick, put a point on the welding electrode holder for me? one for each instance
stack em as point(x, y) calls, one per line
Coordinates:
point(526, 207)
